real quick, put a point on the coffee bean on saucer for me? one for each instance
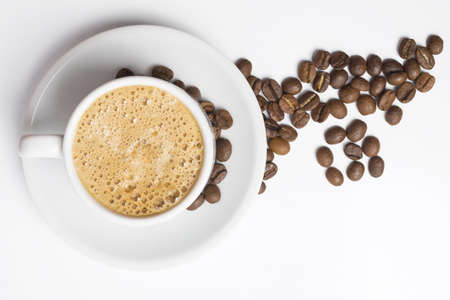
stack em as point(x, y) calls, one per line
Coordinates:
point(270, 170)
point(334, 176)
point(376, 166)
point(334, 135)
point(211, 117)
point(321, 81)
point(338, 78)
point(162, 72)
point(197, 202)
point(390, 65)
point(179, 84)
point(320, 113)
point(425, 82)
point(374, 65)
point(287, 133)
point(396, 78)
point(424, 58)
point(272, 90)
point(291, 85)
point(288, 103)
point(339, 60)
point(348, 94)
point(223, 149)
point(271, 128)
point(355, 171)
point(360, 84)
point(194, 92)
point(223, 119)
point(255, 83)
point(377, 85)
point(262, 188)
point(308, 100)
point(406, 92)
point(124, 72)
point(306, 71)
point(371, 146)
point(386, 99)
point(218, 173)
point(357, 65)
point(435, 44)
point(412, 68)
point(356, 130)
point(212, 193)
point(279, 146)
point(299, 118)
point(216, 131)
point(353, 151)
point(394, 115)
point(324, 156)
point(262, 102)
point(270, 155)
point(207, 106)
point(407, 48)
point(275, 111)
point(245, 66)
point(321, 59)
point(337, 108)
point(366, 105)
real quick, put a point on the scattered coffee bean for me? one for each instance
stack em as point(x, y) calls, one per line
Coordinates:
point(299, 118)
point(324, 156)
point(339, 60)
point(216, 131)
point(270, 170)
point(355, 171)
point(337, 108)
point(275, 111)
point(255, 83)
point(353, 151)
point(124, 72)
point(348, 94)
point(396, 78)
point(406, 92)
point(271, 128)
point(218, 173)
point(270, 155)
point(197, 202)
point(412, 68)
point(374, 65)
point(321, 81)
point(320, 113)
point(272, 90)
point(390, 65)
point(338, 78)
point(308, 100)
point(223, 149)
point(288, 103)
point(435, 44)
point(224, 119)
point(334, 135)
point(376, 166)
point(356, 130)
point(179, 84)
point(291, 85)
point(424, 58)
point(360, 84)
point(321, 59)
point(194, 92)
point(371, 146)
point(394, 115)
point(425, 82)
point(162, 72)
point(262, 102)
point(306, 71)
point(212, 193)
point(366, 105)
point(245, 66)
point(262, 188)
point(279, 146)
point(334, 176)
point(287, 133)
point(407, 48)
point(377, 85)
point(207, 106)
point(386, 100)
point(357, 65)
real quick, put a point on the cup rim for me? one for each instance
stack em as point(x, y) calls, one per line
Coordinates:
point(194, 108)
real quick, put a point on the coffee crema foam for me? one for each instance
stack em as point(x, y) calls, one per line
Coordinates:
point(138, 150)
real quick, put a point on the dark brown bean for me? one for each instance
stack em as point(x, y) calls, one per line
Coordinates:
point(435, 44)
point(353, 151)
point(320, 113)
point(338, 78)
point(279, 146)
point(223, 149)
point(216, 131)
point(360, 84)
point(396, 78)
point(321, 81)
point(288, 103)
point(275, 112)
point(355, 171)
point(406, 92)
point(124, 72)
point(270, 155)
point(291, 85)
point(306, 71)
point(245, 66)
point(162, 72)
point(348, 94)
point(321, 59)
point(337, 108)
point(386, 99)
point(425, 82)
point(212, 193)
point(218, 173)
point(299, 118)
point(194, 92)
point(270, 170)
point(179, 83)
point(371, 146)
point(424, 58)
point(394, 115)
point(334, 135)
point(324, 156)
point(207, 106)
point(334, 176)
point(357, 65)
point(224, 119)
point(262, 188)
point(377, 85)
point(197, 202)
point(287, 133)
point(407, 48)
point(390, 65)
point(271, 128)
point(262, 102)
point(374, 65)
point(356, 130)
point(339, 60)
point(376, 166)
point(412, 68)
point(272, 90)
point(366, 105)
point(308, 100)
point(255, 83)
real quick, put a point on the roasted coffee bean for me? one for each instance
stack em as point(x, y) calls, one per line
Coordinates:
point(360, 84)
point(396, 78)
point(272, 90)
point(337, 108)
point(179, 84)
point(371, 146)
point(356, 130)
point(124, 72)
point(194, 92)
point(425, 82)
point(334, 135)
point(212, 193)
point(299, 118)
point(279, 146)
point(162, 72)
point(321, 59)
point(223, 149)
point(211, 117)
point(353, 151)
point(291, 85)
point(270, 155)
point(270, 170)
point(406, 92)
point(224, 119)
point(376, 166)
point(390, 65)
point(320, 113)
point(321, 81)
point(334, 176)
point(324, 156)
point(394, 115)
point(366, 105)
point(216, 131)
point(197, 202)
point(275, 111)
point(308, 100)
point(424, 58)
point(287, 133)
point(377, 85)
point(386, 99)
point(339, 60)
point(255, 83)
point(262, 188)
point(412, 68)
point(407, 48)
point(288, 103)
point(374, 65)
point(355, 171)
point(271, 128)
point(207, 106)
point(348, 94)
point(435, 44)
point(218, 173)
point(245, 66)
point(357, 65)
point(338, 78)
point(306, 71)
point(262, 102)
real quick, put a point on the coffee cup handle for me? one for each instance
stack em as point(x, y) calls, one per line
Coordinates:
point(43, 146)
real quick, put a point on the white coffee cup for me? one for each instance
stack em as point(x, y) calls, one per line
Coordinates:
point(60, 146)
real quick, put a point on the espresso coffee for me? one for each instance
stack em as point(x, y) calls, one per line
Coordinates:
point(138, 150)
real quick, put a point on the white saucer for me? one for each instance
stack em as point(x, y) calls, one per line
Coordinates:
point(96, 61)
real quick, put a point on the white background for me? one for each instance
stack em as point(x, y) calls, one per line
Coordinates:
point(386, 238)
